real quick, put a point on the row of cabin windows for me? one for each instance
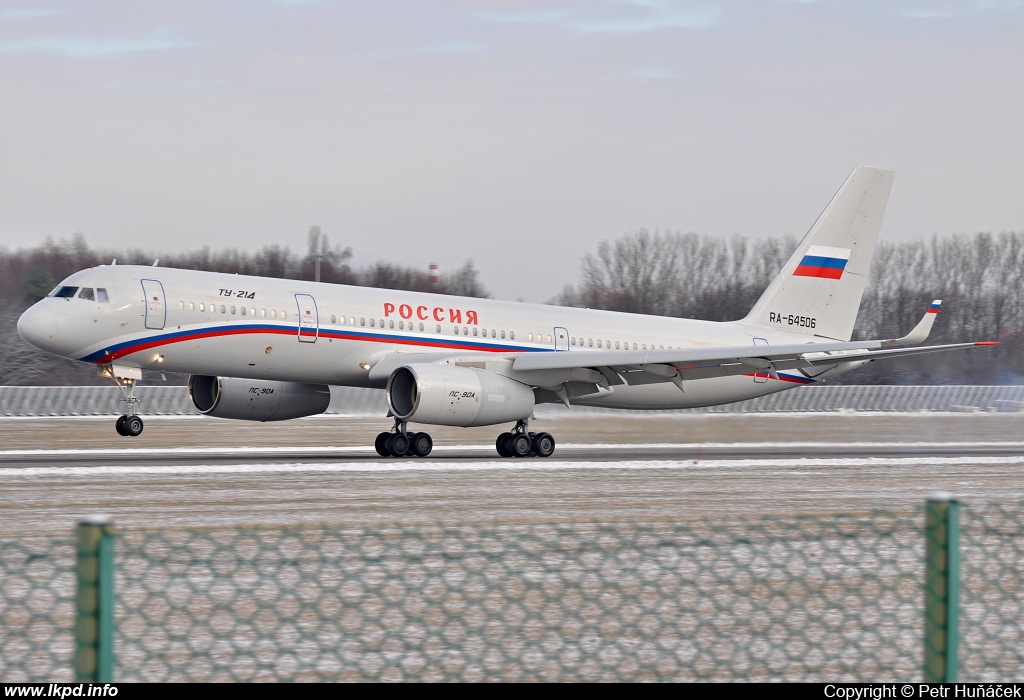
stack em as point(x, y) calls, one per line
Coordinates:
point(412, 326)
point(250, 311)
point(402, 325)
point(88, 293)
point(589, 342)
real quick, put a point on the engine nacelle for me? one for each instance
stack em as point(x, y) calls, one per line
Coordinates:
point(256, 399)
point(445, 395)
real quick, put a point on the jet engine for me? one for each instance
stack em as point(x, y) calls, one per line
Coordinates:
point(256, 399)
point(461, 396)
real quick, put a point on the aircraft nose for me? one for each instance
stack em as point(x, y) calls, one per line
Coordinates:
point(38, 326)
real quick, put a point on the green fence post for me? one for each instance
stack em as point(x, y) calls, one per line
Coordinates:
point(94, 619)
point(941, 589)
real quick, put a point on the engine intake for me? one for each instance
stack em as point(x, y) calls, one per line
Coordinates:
point(460, 396)
point(256, 399)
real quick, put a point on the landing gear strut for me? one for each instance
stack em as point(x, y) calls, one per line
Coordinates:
point(522, 443)
point(128, 425)
point(401, 443)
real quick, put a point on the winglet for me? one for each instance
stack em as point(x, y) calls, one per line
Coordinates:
point(922, 329)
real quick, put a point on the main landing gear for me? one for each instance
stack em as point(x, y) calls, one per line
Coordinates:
point(522, 443)
point(128, 425)
point(401, 443)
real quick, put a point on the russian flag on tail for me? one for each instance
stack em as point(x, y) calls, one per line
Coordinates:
point(824, 262)
point(935, 306)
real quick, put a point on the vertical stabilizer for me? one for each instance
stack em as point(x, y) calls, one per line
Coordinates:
point(819, 290)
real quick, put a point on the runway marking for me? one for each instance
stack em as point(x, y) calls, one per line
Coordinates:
point(368, 450)
point(506, 465)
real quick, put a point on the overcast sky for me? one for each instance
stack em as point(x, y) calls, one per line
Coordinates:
point(518, 134)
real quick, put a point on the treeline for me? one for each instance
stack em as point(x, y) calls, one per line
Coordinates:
point(28, 274)
point(980, 279)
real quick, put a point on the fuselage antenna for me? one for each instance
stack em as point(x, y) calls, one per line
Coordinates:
point(156, 262)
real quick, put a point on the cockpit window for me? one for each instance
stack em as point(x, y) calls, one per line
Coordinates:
point(101, 295)
point(87, 293)
point(66, 292)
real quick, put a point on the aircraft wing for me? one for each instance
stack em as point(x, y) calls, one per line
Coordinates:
point(686, 358)
point(646, 366)
point(605, 368)
point(649, 366)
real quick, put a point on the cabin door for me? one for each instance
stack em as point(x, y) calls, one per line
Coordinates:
point(309, 318)
point(156, 304)
point(561, 339)
point(760, 377)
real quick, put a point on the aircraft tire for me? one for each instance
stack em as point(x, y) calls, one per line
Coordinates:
point(378, 444)
point(422, 444)
point(119, 426)
point(399, 445)
point(133, 426)
point(520, 445)
point(501, 444)
point(543, 445)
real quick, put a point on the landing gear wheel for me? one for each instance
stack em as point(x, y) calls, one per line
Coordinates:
point(543, 444)
point(378, 444)
point(501, 444)
point(422, 444)
point(133, 426)
point(119, 426)
point(519, 445)
point(399, 445)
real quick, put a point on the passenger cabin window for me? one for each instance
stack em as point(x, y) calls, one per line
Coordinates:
point(65, 292)
point(87, 293)
point(101, 296)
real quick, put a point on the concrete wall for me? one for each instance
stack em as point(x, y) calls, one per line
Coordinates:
point(173, 400)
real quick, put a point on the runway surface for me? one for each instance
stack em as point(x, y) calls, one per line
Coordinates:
point(205, 472)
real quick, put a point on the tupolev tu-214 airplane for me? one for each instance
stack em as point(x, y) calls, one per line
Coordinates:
point(268, 349)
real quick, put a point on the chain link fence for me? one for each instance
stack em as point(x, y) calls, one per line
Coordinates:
point(37, 609)
point(838, 598)
point(24, 401)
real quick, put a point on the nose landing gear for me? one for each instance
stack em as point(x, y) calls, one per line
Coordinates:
point(128, 425)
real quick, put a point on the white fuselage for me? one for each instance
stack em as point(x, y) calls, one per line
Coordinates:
point(289, 330)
